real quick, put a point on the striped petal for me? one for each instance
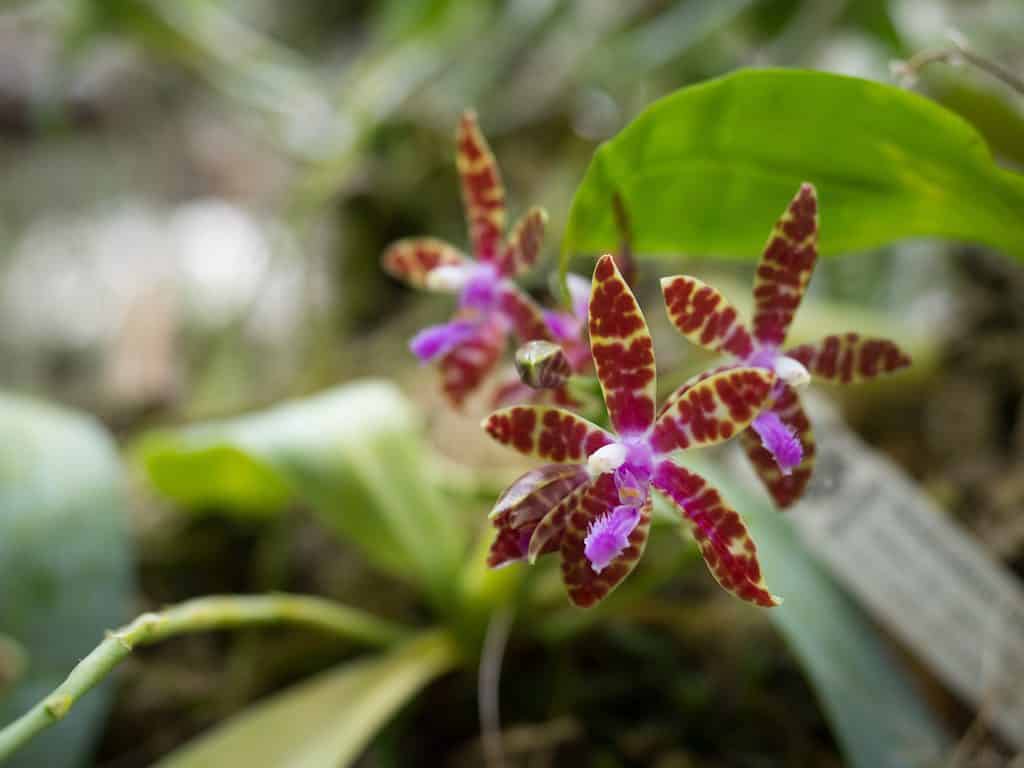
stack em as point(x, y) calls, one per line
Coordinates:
point(509, 546)
point(524, 509)
point(411, 260)
point(466, 366)
point(523, 314)
point(786, 267)
point(482, 192)
point(547, 535)
point(553, 434)
point(623, 351)
point(704, 316)
point(536, 493)
point(849, 358)
point(785, 489)
point(712, 410)
point(586, 586)
point(721, 535)
point(523, 247)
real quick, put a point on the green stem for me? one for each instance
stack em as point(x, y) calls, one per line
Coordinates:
point(206, 613)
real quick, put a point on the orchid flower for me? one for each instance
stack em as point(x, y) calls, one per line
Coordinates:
point(779, 442)
point(490, 304)
point(592, 501)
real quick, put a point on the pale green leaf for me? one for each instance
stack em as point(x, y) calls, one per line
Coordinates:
point(880, 720)
point(328, 721)
point(355, 455)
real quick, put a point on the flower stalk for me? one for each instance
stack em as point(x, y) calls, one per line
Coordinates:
point(199, 615)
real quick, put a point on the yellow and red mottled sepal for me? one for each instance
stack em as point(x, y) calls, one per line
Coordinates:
point(587, 586)
point(724, 541)
point(553, 434)
point(704, 316)
point(712, 409)
point(413, 259)
point(623, 350)
point(483, 194)
point(849, 358)
point(786, 488)
point(465, 367)
point(785, 268)
point(524, 243)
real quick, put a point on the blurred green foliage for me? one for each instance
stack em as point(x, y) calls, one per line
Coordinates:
point(65, 563)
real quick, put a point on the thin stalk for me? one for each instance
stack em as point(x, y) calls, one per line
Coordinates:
point(202, 614)
point(958, 51)
point(488, 685)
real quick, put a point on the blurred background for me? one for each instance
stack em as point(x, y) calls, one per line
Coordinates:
point(194, 195)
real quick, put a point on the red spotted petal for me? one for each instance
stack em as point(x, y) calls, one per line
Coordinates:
point(720, 533)
point(523, 247)
point(524, 508)
point(587, 587)
point(785, 489)
point(523, 314)
point(695, 379)
point(623, 351)
point(712, 410)
point(412, 259)
point(465, 367)
point(553, 434)
point(704, 316)
point(786, 267)
point(482, 192)
point(849, 358)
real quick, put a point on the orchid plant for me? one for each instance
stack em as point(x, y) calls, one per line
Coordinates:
point(592, 501)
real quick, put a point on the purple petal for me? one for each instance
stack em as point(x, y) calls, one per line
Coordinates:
point(609, 535)
point(481, 290)
point(579, 292)
point(763, 357)
point(779, 440)
point(438, 340)
point(562, 325)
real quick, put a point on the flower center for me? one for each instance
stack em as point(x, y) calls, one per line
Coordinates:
point(481, 288)
point(786, 369)
point(763, 357)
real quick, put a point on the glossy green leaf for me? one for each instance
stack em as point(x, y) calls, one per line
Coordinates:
point(327, 721)
point(65, 565)
point(355, 455)
point(708, 170)
point(880, 720)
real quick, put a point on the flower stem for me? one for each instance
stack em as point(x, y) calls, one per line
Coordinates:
point(201, 614)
